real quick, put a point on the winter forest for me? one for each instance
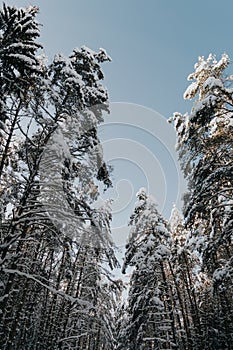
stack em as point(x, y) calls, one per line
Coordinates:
point(57, 289)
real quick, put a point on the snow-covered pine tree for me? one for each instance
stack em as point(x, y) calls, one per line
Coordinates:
point(183, 267)
point(49, 112)
point(121, 324)
point(20, 69)
point(150, 313)
point(205, 150)
point(19, 64)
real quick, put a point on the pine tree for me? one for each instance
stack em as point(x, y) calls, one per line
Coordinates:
point(184, 266)
point(205, 150)
point(53, 242)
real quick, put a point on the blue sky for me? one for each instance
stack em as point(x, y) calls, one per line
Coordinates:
point(154, 45)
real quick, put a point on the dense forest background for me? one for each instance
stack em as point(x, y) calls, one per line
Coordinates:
point(56, 251)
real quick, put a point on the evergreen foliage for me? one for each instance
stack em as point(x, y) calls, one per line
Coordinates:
point(56, 252)
point(54, 291)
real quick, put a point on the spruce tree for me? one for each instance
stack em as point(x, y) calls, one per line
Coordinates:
point(150, 312)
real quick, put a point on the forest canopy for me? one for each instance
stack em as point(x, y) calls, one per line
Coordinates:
point(56, 250)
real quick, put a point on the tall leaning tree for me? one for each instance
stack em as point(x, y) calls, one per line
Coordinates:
point(205, 147)
point(53, 241)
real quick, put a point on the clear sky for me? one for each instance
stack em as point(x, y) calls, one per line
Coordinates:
point(154, 45)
